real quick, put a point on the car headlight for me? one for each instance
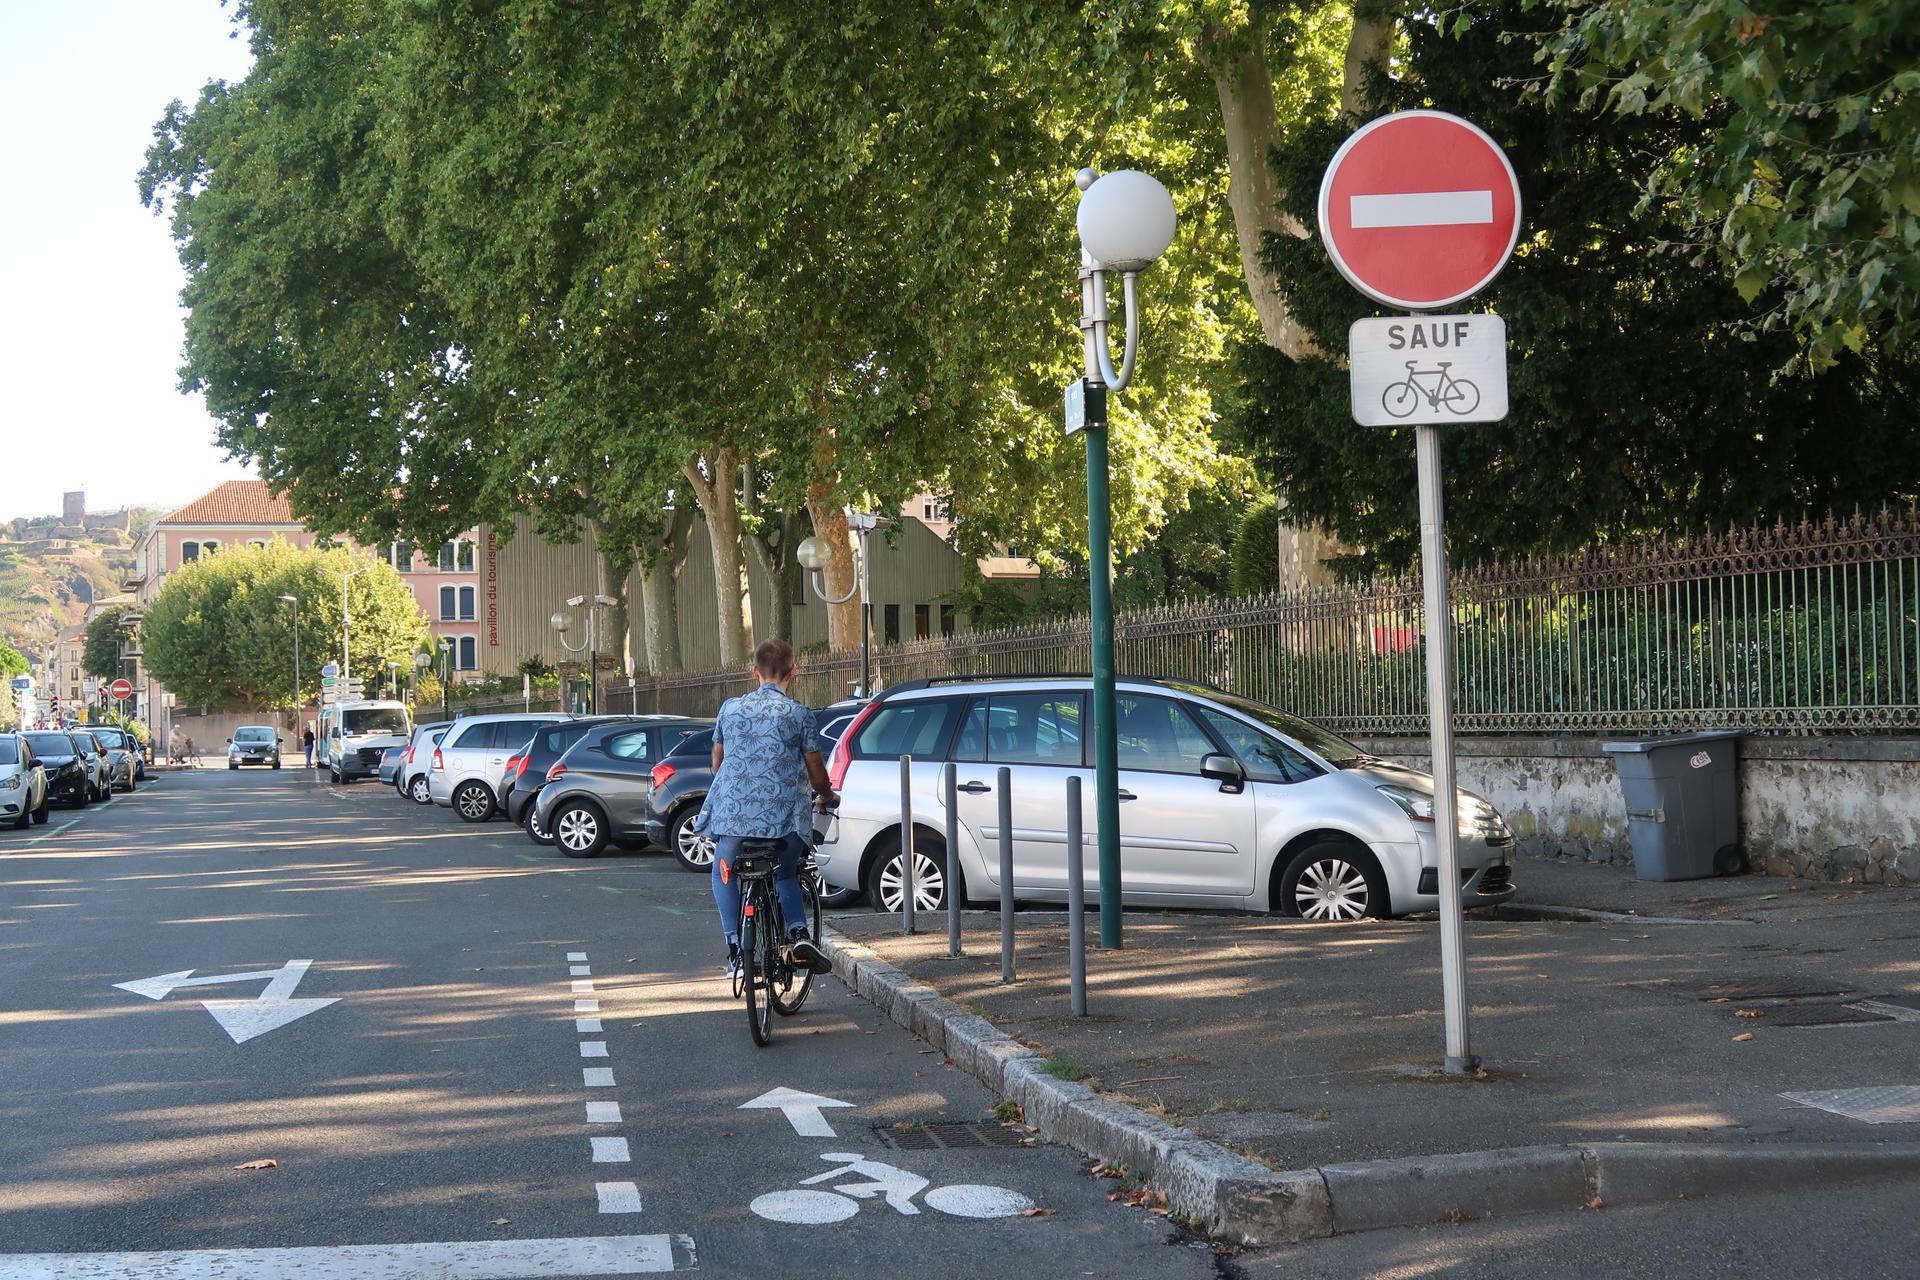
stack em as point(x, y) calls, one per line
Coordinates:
point(13, 783)
point(1414, 804)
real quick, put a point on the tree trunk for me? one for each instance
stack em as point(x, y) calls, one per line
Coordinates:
point(1368, 46)
point(612, 641)
point(772, 547)
point(1246, 109)
point(718, 489)
point(830, 526)
point(660, 594)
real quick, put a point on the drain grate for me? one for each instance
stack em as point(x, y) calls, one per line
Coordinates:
point(1821, 1015)
point(940, 1137)
point(1762, 988)
point(1889, 1104)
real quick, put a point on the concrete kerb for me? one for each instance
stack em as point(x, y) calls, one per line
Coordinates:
point(1233, 1198)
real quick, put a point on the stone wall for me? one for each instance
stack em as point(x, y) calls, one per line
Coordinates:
point(1827, 808)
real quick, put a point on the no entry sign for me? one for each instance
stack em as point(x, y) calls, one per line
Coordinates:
point(120, 689)
point(1419, 210)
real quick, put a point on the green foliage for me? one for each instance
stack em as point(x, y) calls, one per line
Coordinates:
point(12, 661)
point(218, 632)
point(1803, 180)
point(122, 720)
point(1256, 550)
point(101, 656)
point(1641, 402)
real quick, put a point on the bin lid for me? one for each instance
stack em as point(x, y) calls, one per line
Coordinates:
point(1677, 740)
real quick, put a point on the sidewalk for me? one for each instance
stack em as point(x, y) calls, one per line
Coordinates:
point(1302, 1045)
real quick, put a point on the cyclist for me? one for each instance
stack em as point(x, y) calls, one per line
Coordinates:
point(766, 772)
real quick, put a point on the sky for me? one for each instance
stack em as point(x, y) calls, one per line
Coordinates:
point(90, 318)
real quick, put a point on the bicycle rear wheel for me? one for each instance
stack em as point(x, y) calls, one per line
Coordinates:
point(793, 992)
point(755, 979)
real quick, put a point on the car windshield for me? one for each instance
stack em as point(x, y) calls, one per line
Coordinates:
point(253, 734)
point(9, 751)
point(367, 720)
point(111, 738)
point(51, 744)
point(1329, 746)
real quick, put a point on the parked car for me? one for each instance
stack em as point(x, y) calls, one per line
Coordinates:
point(1228, 802)
point(23, 782)
point(527, 769)
point(70, 779)
point(468, 764)
point(833, 720)
point(678, 786)
point(94, 756)
point(597, 792)
point(253, 744)
point(122, 771)
point(390, 762)
point(410, 777)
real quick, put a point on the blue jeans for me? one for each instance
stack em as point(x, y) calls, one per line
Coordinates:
point(786, 883)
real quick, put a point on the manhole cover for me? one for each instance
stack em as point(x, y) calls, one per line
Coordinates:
point(1762, 988)
point(1889, 1104)
point(1821, 1015)
point(938, 1137)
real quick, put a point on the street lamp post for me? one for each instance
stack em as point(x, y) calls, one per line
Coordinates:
point(1126, 221)
point(591, 647)
point(345, 575)
point(446, 677)
point(814, 556)
point(420, 664)
point(393, 679)
point(299, 703)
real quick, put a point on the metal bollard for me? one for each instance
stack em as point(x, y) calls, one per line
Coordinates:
point(1076, 903)
point(906, 844)
point(1004, 785)
point(950, 793)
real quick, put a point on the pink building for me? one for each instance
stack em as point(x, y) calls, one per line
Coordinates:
point(242, 512)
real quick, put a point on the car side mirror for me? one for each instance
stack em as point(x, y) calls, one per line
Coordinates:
point(1228, 772)
point(229, 741)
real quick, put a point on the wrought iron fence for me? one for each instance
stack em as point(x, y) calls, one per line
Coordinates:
point(1783, 628)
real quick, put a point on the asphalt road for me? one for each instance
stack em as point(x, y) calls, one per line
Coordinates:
point(442, 1098)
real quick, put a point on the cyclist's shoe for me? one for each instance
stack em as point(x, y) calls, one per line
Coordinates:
point(806, 951)
point(733, 960)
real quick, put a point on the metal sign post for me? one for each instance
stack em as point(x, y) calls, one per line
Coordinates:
point(1421, 210)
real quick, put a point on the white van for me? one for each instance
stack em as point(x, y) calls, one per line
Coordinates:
point(353, 736)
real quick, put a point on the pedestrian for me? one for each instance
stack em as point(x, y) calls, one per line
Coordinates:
point(306, 739)
point(767, 772)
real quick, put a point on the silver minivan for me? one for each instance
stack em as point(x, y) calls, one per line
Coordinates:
point(470, 761)
point(1225, 802)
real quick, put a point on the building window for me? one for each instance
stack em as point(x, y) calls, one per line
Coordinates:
point(936, 510)
point(922, 621)
point(466, 556)
point(447, 598)
point(399, 555)
point(466, 604)
point(446, 557)
point(946, 619)
point(189, 552)
point(210, 546)
point(257, 542)
point(891, 615)
point(469, 654)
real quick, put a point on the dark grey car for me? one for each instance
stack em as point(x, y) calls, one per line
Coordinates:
point(597, 792)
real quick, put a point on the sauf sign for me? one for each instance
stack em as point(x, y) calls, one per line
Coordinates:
point(1420, 211)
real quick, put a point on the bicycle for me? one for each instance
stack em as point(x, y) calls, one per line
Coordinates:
point(769, 978)
point(1458, 395)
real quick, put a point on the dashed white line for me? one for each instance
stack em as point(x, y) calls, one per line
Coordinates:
point(603, 1113)
point(586, 1006)
point(610, 1151)
point(584, 1025)
point(618, 1197)
point(576, 957)
point(582, 986)
point(593, 1048)
point(623, 1255)
point(580, 971)
point(597, 1077)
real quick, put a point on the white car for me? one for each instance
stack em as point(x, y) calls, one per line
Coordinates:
point(23, 783)
point(1225, 802)
point(470, 762)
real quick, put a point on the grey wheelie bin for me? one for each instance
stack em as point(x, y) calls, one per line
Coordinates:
point(1683, 812)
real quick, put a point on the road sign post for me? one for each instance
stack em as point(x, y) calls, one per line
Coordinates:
point(1420, 210)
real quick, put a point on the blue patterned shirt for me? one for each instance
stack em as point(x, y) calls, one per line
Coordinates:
point(762, 788)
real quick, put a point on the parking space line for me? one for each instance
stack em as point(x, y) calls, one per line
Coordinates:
point(467, 1259)
point(68, 825)
point(618, 1197)
point(610, 1151)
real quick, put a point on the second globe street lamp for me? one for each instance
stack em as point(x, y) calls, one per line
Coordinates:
point(591, 647)
point(1126, 221)
point(815, 555)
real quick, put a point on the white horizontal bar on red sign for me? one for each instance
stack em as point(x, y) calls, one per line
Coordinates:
point(1422, 209)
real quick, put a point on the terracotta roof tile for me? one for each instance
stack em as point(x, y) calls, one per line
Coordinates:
point(235, 502)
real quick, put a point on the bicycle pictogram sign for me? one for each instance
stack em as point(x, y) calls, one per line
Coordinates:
point(1437, 386)
point(856, 1178)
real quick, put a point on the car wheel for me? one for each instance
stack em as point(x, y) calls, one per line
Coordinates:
point(42, 815)
point(884, 888)
point(578, 829)
point(276, 762)
point(131, 784)
point(1333, 880)
point(531, 821)
point(473, 801)
point(694, 851)
point(84, 796)
point(419, 791)
point(233, 764)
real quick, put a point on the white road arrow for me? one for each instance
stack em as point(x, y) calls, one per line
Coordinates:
point(802, 1110)
point(241, 1019)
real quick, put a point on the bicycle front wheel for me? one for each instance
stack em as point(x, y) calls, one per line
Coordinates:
point(798, 979)
point(1462, 397)
point(754, 981)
